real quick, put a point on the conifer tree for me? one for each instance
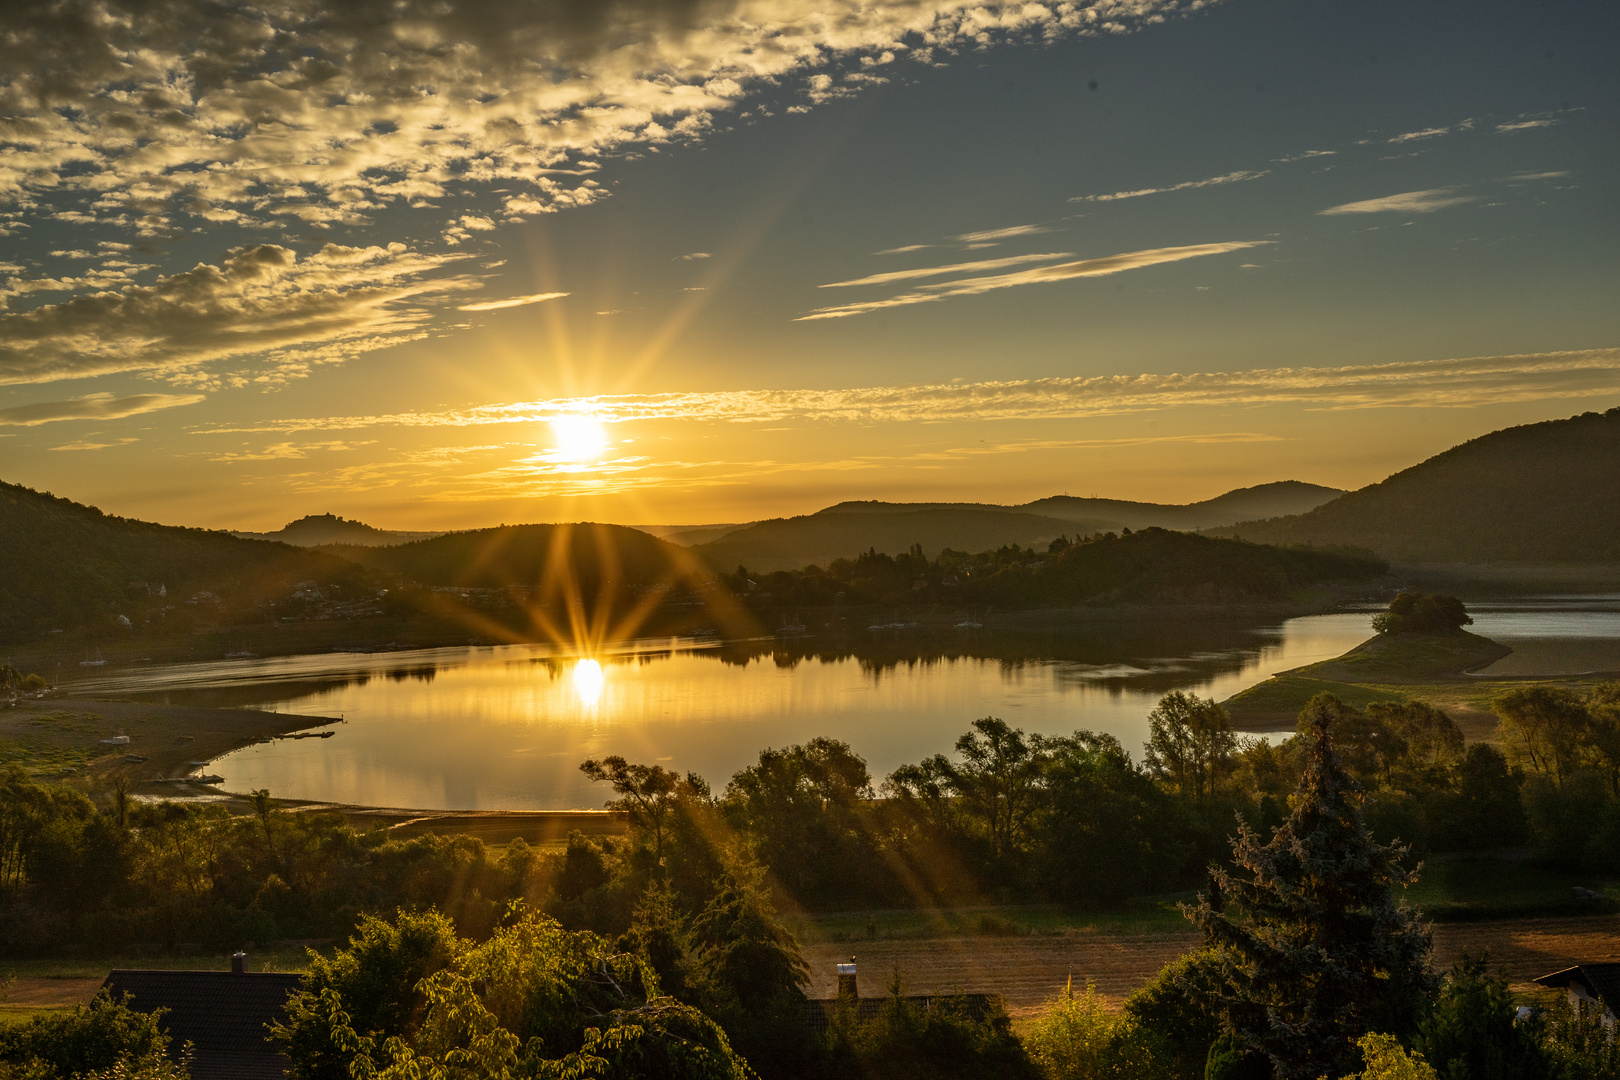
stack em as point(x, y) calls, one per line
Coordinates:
point(1308, 948)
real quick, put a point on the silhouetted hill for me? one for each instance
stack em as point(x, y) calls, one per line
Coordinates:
point(848, 528)
point(1547, 492)
point(64, 564)
point(791, 543)
point(318, 529)
point(525, 556)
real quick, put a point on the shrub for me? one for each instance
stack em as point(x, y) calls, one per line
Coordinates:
point(1079, 1039)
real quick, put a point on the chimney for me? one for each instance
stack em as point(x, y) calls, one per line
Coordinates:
point(238, 963)
point(846, 980)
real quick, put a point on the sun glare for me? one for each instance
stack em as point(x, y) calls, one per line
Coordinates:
point(578, 438)
point(588, 680)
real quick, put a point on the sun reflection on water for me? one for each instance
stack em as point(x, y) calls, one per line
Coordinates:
point(588, 680)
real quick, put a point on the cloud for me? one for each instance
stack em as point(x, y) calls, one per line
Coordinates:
point(1426, 133)
point(93, 407)
point(160, 115)
point(1428, 384)
point(903, 250)
point(1539, 176)
point(94, 445)
point(1407, 202)
point(265, 299)
point(515, 301)
point(1187, 185)
point(1001, 234)
point(288, 451)
point(1525, 125)
point(953, 268)
point(1303, 155)
point(694, 256)
point(973, 286)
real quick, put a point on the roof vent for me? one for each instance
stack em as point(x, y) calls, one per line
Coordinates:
point(238, 963)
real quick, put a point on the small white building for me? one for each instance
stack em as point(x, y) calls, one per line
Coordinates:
point(1593, 985)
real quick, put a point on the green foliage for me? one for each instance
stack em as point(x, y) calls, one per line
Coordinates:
point(1077, 1038)
point(1386, 1059)
point(1190, 744)
point(105, 1039)
point(1544, 728)
point(1322, 953)
point(1179, 1006)
point(1422, 613)
point(1581, 1045)
point(376, 978)
point(532, 1000)
point(1471, 1034)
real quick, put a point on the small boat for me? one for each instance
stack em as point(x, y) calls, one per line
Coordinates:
point(240, 654)
point(116, 740)
point(206, 779)
point(97, 662)
point(136, 758)
point(970, 625)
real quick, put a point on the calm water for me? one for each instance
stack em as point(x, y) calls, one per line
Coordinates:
point(506, 727)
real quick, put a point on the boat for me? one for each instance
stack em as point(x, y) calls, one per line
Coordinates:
point(240, 654)
point(97, 662)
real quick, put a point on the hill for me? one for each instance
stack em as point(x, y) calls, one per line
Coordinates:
point(318, 529)
point(847, 528)
point(791, 543)
point(530, 556)
point(1547, 492)
point(64, 564)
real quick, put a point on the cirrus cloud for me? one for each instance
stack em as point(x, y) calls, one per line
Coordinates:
point(92, 407)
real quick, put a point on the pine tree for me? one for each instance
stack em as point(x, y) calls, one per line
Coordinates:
point(1318, 952)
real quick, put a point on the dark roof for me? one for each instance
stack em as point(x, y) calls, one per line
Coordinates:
point(819, 1012)
point(223, 1015)
point(1601, 981)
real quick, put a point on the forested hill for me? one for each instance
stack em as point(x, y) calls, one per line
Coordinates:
point(526, 556)
point(1547, 492)
point(317, 529)
point(791, 543)
point(64, 564)
point(848, 528)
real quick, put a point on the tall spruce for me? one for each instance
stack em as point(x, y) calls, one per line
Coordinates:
point(1309, 949)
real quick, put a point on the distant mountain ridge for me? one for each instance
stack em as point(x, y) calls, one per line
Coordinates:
point(317, 529)
point(846, 529)
point(1536, 493)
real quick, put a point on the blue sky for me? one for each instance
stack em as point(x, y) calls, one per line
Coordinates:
point(1129, 249)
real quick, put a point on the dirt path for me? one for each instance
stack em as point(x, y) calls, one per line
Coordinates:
point(1028, 970)
point(47, 993)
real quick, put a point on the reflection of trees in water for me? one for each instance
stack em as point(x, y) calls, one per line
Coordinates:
point(1119, 657)
point(1141, 657)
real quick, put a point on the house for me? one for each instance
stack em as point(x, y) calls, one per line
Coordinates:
point(224, 1015)
point(1594, 985)
point(821, 1012)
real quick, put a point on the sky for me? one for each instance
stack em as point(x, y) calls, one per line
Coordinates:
point(448, 265)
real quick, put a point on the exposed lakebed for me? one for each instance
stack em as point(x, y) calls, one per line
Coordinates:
point(505, 727)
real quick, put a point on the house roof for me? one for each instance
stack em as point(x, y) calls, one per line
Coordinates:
point(1601, 981)
point(224, 1015)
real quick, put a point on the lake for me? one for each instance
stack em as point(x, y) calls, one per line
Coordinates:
point(506, 727)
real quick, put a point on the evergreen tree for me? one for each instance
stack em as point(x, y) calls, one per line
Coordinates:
point(1318, 952)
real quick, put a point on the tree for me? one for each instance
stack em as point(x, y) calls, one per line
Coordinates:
point(1321, 953)
point(1428, 737)
point(1472, 1033)
point(533, 1000)
point(1104, 831)
point(1602, 736)
point(1543, 727)
point(1079, 1039)
point(1190, 744)
point(1422, 613)
point(998, 781)
point(647, 793)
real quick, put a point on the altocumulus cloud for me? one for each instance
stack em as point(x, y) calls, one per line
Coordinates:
point(92, 407)
point(264, 299)
point(1460, 383)
point(150, 113)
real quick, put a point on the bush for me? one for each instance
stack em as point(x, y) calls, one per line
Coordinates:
point(1472, 1033)
point(103, 1039)
point(1078, 1039)
point(903, 1042)
point(1422, 613)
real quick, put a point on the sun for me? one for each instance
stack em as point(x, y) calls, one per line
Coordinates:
point(578, 438)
